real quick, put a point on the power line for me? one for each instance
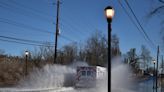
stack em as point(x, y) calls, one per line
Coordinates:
point(5, 40)
point(13, 10)
point(72, 27)
point(25, 40)
point(7, 6)
point(11, 22)
point(87, 24)
point(28, 8)
point(68, 29)
point(66, 38)
point(31, 9)
point(139, 23)
point(133, 22)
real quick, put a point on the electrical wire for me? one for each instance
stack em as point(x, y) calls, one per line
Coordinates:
point(25, 40)
point(133, 22)
point(139, 23)
point(23, 25)
point(27, 13)
point(11, 22)
point(30, 27)
point(29, 8)
point(8, 7)
point(25, 43)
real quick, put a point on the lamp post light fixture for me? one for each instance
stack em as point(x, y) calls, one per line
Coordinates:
point(154, 74)
point(26, 53)
point(109, 12)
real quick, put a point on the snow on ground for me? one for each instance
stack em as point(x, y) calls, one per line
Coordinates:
point(53, 78)
point(63, 89)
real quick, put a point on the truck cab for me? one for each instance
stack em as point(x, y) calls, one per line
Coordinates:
point(87, 76)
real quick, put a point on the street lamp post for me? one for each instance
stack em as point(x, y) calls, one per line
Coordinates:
point(154, 74)
point(109, 12)
point(26, 53)
point(157, 69)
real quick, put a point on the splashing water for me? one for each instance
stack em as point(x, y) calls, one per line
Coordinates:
point(120, 73)
point(56, 76)
point(51, 76)
point(59, 76)
point(120, 81)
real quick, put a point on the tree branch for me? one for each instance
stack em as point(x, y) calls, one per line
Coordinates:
point(156, 10)
point(161, 1)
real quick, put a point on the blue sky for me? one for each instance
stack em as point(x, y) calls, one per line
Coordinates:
point(78, 20)
point(25, 18)
point(128, 33)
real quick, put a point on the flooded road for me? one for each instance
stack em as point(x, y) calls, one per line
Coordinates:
point(148, 85)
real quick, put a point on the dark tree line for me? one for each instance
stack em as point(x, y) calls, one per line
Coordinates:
point(143, 60)
point(93, 51)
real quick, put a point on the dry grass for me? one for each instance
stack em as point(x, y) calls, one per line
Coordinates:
point(11, 71)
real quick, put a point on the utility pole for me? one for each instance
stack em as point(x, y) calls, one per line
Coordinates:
point(161, 75)
point(57, 31)
point(157, 69)
point(162, 64)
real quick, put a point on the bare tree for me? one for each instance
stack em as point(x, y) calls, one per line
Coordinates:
point(133, 59)
point(43, 54)
point(145, 55)
point(159, 9)
point(115, 50)
point(2, 52)
point(96, 49)
point(68, 53)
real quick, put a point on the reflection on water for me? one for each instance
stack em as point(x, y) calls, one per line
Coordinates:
point(122, 83)
point(147, 86)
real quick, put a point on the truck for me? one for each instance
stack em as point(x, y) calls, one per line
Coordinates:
point(88, 76)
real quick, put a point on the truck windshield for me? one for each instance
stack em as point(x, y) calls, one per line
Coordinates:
point(83, 73)
point(88, 73)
